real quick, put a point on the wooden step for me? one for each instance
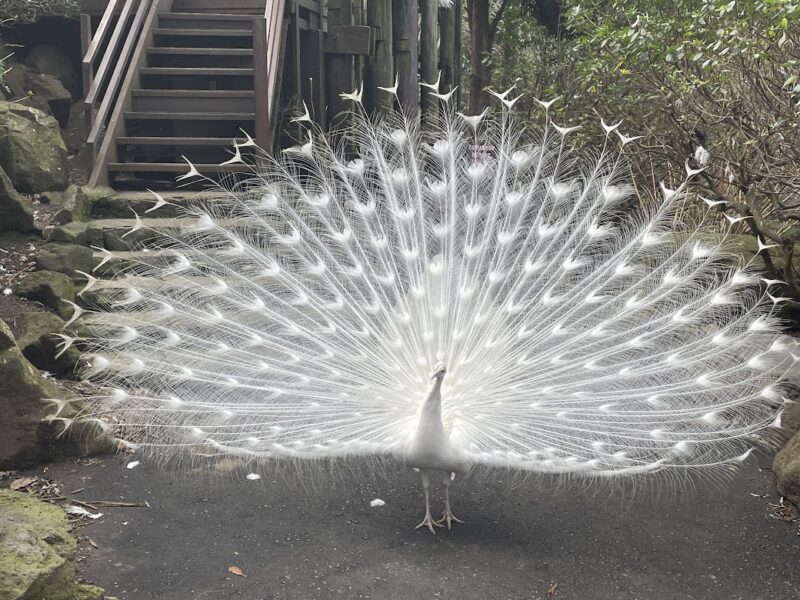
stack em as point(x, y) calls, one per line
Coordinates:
point(189, 116)
point(203, 38)
point(166, 100)
point(188, 20)
point(198, 71)
point(178, 168)
point(171, 50)
point(251, 7)
point(169, 32)
point(176, 141)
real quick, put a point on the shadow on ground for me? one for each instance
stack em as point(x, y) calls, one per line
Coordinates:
point(324, 541)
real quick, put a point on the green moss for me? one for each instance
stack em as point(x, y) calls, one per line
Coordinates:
point(37, 552)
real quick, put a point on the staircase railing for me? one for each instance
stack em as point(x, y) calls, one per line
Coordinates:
point(267, 58)
point(111, 49)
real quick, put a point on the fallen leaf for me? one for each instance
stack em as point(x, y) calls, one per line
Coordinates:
point(21, 483)
point(551, 591)
point(236, 571)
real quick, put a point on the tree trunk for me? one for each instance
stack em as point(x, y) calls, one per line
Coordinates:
point(480, 74)
point(428, 56)
point(406, 48)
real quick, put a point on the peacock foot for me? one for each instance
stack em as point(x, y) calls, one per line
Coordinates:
point(448, 517)
point(429, 523)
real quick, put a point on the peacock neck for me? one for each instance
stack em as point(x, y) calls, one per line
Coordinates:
point(433, 403)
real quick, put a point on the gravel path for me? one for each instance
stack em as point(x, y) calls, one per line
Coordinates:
point(324, 541)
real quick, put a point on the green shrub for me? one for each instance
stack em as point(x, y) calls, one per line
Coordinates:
point(13, 12)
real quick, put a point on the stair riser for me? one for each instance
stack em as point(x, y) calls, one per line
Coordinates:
point(203, 41)
point(190, 105)
point(192, 22)
point(194, 82)
point(188, 128)
point(122, 207)
point(172, 154)
point(199, 60)
point(254, 7)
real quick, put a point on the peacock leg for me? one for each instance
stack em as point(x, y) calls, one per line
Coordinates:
point(448, 516)
point(427, 521)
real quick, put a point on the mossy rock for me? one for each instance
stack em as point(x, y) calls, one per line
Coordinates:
point(27, 436)
point(37, 339)
point(37, 552)
point(16, 213)
point(65, 258)
point(32, 151)
point(78, 232)
point(76, 205)
point(786, 467)
point(50, 289)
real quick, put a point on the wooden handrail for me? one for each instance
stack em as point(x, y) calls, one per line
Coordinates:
point(267, 41)
point(102, 88)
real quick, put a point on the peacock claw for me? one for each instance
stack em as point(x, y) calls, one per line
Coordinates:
point(448, 517)
point(429, 523)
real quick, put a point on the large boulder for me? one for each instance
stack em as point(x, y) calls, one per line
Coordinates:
point(50, 289)
point(50, 60)
point(28, 433)
point(31, 149)
point(786, 467)
point(37, 552)
point(16, 213)
point(16, 81)
point(37, 336)
point(50, 90)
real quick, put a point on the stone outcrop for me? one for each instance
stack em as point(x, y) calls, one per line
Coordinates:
point(786, 467)
point(53, 61)
point(65, 258)
point(15, 211)
point(50, 289)
point(37, 552)
point(36, 337)
point(26, 434)
point(32, 151)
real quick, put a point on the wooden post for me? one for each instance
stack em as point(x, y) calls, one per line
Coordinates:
point(380, 66)
point(406, 44)
point(340, 66)
point(428, 57)
point(260, 82)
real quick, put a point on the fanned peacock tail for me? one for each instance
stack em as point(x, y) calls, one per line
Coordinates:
point(300, 313)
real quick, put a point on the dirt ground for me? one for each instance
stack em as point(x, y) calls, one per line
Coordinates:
point(194, 537)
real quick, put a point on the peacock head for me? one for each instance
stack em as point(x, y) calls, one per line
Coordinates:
point(439, 370)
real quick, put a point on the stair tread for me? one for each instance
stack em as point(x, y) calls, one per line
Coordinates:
point(203, 32)
point(175, 167)
point(194, 93)
point(200, 51)
point(197, 71)
point(176, 141)
point(207, 16)
point(190, 116)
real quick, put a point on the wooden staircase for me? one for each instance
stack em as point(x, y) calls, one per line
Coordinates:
point(192, 90)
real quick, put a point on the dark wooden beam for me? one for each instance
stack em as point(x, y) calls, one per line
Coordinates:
point(350, 39)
